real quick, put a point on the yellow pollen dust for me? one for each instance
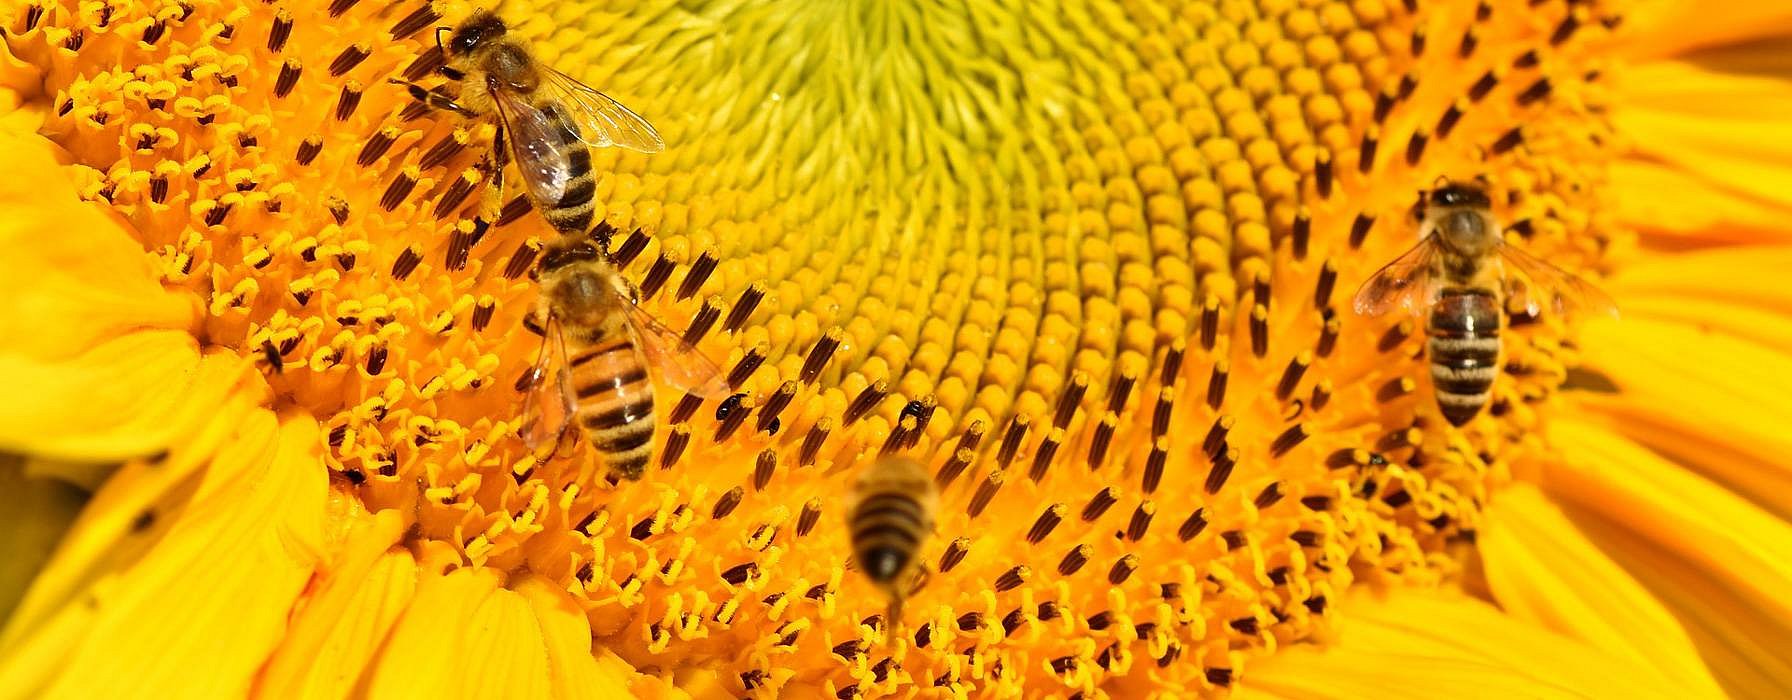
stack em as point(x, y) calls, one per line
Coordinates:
point(1092, 265)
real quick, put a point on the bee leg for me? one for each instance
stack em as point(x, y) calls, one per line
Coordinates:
point(432, 98)
point(491, 201)
point(532, 322)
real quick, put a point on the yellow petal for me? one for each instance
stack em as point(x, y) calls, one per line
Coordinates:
point(340, 627)
point(1667, 27)
point(1715, 121)
point(573, 671)
point(1425, 645)
point(34, 512)
point(426, 650)
point(1718, 562)
point(198, 615)
point(1543, 571)
point(1711, 401)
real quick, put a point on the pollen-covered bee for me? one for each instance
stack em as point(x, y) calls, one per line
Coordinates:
point(549, 118)
point(598, 352)
point(893, 503)
point(1462, 271)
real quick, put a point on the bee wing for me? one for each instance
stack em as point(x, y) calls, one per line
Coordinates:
point(548, 402)
point(536, 140)
point(601, 121)
point(679, 362)
point(1407, 282)
point(1541, 284)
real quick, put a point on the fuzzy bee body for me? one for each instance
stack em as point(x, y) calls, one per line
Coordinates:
point(891, 518)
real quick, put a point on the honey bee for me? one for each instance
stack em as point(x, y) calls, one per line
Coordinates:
point(548, 117)
point(597, 350)
point(892, 515)
point(1462, 271)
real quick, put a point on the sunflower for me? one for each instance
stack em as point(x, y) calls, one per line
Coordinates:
point(1090, 262)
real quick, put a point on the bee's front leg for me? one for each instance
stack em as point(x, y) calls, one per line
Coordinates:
point(432, 98)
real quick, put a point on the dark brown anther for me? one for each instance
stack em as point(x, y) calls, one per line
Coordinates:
point(953, 467)
point(1104, 437)
point(1269, 496)
point(985, 493)
point(1477, 91)
point(726, 503)
point(1122, 570)
point(1070, 400)
point(1103, 499)
point(1013, 578)
point(377, 146)
point(1154, 465)
point(1508, 141)
point(376, 360)
point(1416, 43)
point(455, 196)
point(1394, 337)
point(1196, 522)
point(514, 210)
point(75, 40)
point(1141, 521)
point(1384, 104)
point(1483, 11)
point(349, 58)
point(685, 408)
point(460, 249)
point(1011, 440)
point(676, 441)
point(1328, 280)
point(406, 263)
point(1328, 337)
point(657, 274)
point(705, 319)
point(1566, 29)
point(867, 400)
point(425, 15)
point(921, 410)
point(1259, 331)
point(158, 189)
point(630, 248)
point(1527, 60)
point(1415, 147)
point(813, 440)
point(338, 7)
point(739, 574)
point(1048, 451)
point(1302, 233)
point(1294, 435)
point(438, 154)
point(521, 260)
point(1537, 91)
point(1394, 389)
point(697, 275)
point(1210, 322)
point(1216, 436)
point(1359, 229)
point(1322, 173)
point(1291, 375)
point(1447, 122)
point(820, 353)
point(215, 215)
point(1216, 384)
point(1365, 159)
point(1121, 390)
point(775, 405)
point(281, 31)
point(763, 468)
point(955, 552)
point(1470, 40)
point(1074, 560)
point(289, 78)
point(743, 309)
point(733, 419)
point(424, 64)
point(154, 32)
point(743, 370)
point(1221, 471)
point(1047, 521)
point(398, 190)
point(1524, 228)
point(809, 518)
point(1396, 440)
point(898, 436)
point(348, 100)
point(1160, 416)
point(1172, 367)
point(482, 314)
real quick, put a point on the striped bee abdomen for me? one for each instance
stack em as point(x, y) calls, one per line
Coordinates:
point(1464, 350)
point(887, 527)
point(571, 213)
point(615, 404)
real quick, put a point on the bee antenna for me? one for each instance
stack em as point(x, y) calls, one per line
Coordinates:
point(1440, 181)
point(439, 31)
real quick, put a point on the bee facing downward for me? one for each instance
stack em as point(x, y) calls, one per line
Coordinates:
point(597, 351)
point(892, 515)
point(548, 117)
point(1462, 271)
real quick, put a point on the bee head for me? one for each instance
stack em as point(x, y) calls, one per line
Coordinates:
point(1458, 194)
point(479, 28)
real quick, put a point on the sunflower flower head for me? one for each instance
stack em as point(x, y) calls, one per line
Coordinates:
point(1092, 266)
